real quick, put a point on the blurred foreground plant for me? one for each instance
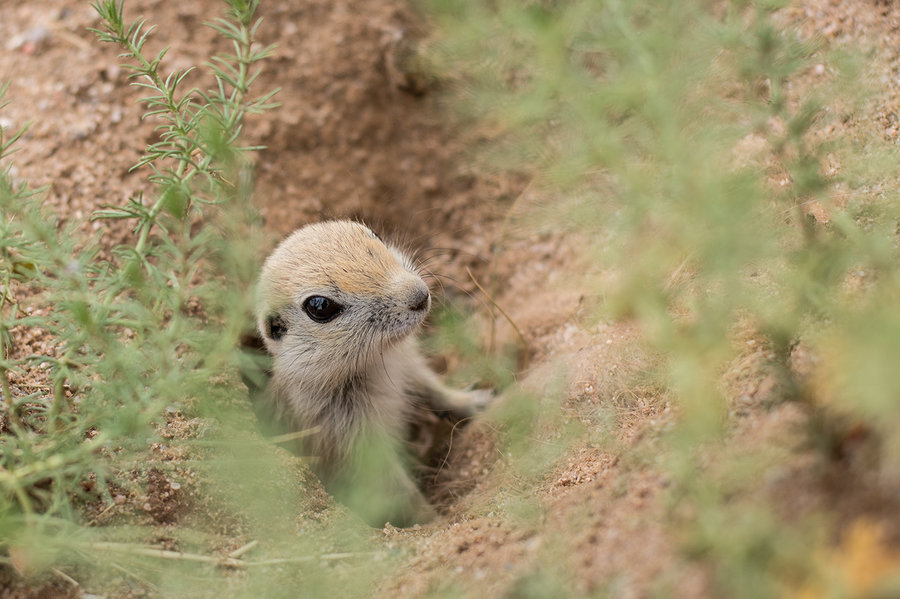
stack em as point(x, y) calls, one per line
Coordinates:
point(709, 183)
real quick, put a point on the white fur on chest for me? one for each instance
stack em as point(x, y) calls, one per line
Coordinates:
point(364, 394)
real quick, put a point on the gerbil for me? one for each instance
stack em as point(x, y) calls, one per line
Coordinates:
point(337, 309)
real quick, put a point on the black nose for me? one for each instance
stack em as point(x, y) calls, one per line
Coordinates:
point(419, 301)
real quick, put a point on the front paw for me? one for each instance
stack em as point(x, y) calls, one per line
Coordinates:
point(479, 399)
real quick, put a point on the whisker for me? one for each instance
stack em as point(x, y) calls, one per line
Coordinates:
point(439, 279)
point(453, 251)
point(428, 275)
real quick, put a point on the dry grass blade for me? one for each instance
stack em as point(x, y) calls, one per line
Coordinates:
point(525, 346)
point(229, 561)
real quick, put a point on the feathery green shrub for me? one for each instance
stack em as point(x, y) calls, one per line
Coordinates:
point(150, 325)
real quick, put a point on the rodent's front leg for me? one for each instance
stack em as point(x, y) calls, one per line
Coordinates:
point(451, 404)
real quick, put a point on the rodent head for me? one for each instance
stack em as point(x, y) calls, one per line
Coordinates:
point(333, 296)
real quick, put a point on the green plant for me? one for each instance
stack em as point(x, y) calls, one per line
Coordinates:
point(676, 131)
point(150, 324)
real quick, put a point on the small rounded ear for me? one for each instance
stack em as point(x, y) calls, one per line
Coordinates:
point(275, 327)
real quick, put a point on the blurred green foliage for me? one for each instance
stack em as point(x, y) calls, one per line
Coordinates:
point(689, 139)
point(454, 334)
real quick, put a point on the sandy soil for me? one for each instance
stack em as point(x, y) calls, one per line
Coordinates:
point(357, 136)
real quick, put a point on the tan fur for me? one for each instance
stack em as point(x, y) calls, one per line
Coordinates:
point(358, 377)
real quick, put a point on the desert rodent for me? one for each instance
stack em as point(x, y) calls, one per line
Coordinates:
point(337, 308)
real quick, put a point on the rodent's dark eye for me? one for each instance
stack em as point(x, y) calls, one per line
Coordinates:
point(322, 309)
point(275, 326)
